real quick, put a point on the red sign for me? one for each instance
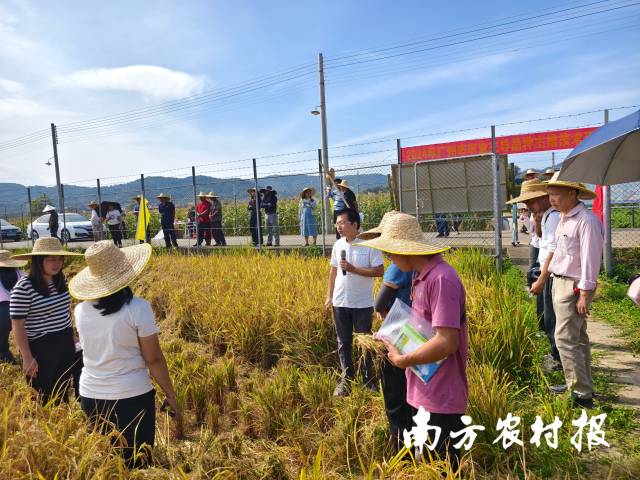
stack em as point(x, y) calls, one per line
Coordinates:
point(522, 143)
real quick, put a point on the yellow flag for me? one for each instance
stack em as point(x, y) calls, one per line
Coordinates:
point(144, 218)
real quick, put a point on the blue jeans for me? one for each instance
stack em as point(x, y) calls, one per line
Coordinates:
point(441, 224)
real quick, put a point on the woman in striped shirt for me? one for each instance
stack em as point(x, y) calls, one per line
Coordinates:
point(41, 319)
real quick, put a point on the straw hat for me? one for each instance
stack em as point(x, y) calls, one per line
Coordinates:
point(344, 184)
point(163, 195)
point(549, 171)
point(6, 261)
point(109, 269)
point(308, 189)
point(531, 171)
point(48, 208)
point(137, 197)
point(377, 231)
point(202, 194)
point(47, 247)
point(251, 190)
point(583, 192)
point(402, 235)
point(212, 195)
point(530, 189)
point(92, 203)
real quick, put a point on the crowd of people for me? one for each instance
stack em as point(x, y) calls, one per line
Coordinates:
point(113, 352)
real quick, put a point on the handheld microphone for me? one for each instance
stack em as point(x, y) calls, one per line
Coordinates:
point(343, 256)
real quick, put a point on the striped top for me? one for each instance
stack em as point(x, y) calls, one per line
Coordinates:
point(43, 314)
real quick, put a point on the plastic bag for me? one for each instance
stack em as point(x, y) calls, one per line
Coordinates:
point(407, 332)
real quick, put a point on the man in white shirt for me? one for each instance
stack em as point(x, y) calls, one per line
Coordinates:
point(350, 294)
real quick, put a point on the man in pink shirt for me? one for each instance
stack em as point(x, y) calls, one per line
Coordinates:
point(575, 265)
point(438, 297)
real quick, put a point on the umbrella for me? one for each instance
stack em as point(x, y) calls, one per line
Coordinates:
point(608, 156)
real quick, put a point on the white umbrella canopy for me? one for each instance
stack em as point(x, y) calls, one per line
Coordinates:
point(608, 156)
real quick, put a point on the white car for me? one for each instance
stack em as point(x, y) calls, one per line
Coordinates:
point(77, 227)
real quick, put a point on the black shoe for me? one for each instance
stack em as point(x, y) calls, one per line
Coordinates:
point(557, 389)
point(196, 245)
point(581, 402)
point(269, 245)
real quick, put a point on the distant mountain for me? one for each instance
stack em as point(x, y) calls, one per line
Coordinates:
point(13, 196)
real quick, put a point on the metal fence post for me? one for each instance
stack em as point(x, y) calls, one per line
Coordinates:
point(142, 210)
point(606, 216)
point(235, 210)
point(323, 221)
point(496, 200)
point(195, 206)
point(399, 150)
point(415, 184)
point(30, 214)
point(257, 193)
point(99, 204)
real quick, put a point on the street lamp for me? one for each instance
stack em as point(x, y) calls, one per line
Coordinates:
point(321, 111)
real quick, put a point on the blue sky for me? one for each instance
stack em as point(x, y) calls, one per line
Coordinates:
point(74, 61)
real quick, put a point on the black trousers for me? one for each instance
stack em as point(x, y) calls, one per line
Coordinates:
point(204, 233)
point(394, 392)
point(5, 329)
point(448, 422)
point(217, 232)
point(549, 318)
point(255, 238)
point(347, 321)
point(134, 418)
point(56, 354)
point(169, 236)
point(116, 234)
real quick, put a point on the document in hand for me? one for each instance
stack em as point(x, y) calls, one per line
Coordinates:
point(407, 331)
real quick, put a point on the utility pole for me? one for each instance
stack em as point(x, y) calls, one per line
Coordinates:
point(54, 139)
point(325, 142)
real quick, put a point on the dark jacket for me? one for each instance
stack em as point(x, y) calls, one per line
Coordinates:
point(53, 221)
point(167, 212)
point(270, 202)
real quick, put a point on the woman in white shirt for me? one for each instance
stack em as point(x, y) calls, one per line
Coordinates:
point(96, 222)
point(114, 218)
point(121, 350)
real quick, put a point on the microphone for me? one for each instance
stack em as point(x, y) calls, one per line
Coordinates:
point(343, 256)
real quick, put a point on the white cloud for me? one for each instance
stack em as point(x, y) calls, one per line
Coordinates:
point(149, 80)
point(11, 86)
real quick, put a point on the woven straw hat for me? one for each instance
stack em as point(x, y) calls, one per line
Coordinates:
point(251, 190)
point(48, 208)
point(92, 203)
point(109, 269)
point(583, 192)
point(402, 235)
point(212, 195)
point(377, 231)
point(530, 189)
point(8, 262)
point(308, 189)
point(549, 171)
point(344, 184)
point(164, 195)
point(47, 247)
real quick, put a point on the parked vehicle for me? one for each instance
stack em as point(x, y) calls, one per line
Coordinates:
point(9, 232)
point(72, 226)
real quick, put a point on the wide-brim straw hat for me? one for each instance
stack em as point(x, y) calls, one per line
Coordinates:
point(137, 197)
point(529, 190)
point(583, 192)
point(109, 269)
point(250, 190)
point(308, 189)
point(402, 235)
point(344, 184)
point(377, 231)
point(163, 195)
point(92, 203)
point(202, 194)
point(48, 208)
point(212, 195)
point(7, 262)
point(46, 247)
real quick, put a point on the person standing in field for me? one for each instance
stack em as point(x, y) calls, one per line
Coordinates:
point(255, 217)
point(114, 221)
point(216, 220)
point(167, 211)
point(121, 349)
point(270, 206)
point(40, 309)
point(308, 223)
point(575, 266)
point(350, 295)
point(343, 199)
point(53, 220)
point(10, 273)
point(203, 212)
point(439, 297)
point(96, 222)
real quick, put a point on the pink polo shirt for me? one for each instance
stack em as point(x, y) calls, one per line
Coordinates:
point(439, 297)
point(578, 253)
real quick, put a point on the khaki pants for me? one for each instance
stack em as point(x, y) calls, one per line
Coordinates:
point(572, 339)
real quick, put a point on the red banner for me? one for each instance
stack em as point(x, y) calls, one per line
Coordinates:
point(522, 143)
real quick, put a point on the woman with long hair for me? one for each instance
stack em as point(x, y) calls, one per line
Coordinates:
point(121, 350)
point(308, 224)
point(10, 273)
point(40, 309)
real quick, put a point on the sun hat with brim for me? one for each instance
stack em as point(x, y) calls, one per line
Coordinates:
point(402, 235)
point(46, 247)
point(529, 190)
point(344, 184)
point(308, 189)
point(583, 192)
point(48, 208)
point(7, 262)
point(251, 189)
point(202, 195)
point(109, 270)
point(377, 231)
point(163, 195)
point(212, 195)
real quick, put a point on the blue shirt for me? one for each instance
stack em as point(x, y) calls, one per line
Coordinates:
point(401, 279)
point(338, 200)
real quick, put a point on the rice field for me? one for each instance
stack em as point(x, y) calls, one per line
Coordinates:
point(252, 356)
